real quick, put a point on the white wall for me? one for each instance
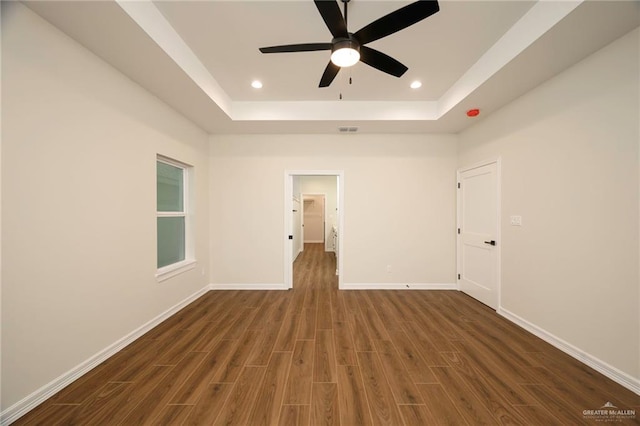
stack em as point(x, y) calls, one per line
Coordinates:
point(411, 229)
point(327, 185)
point(569, 152)
point(79, 144)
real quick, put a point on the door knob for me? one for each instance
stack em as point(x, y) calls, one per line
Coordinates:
point(493, 243)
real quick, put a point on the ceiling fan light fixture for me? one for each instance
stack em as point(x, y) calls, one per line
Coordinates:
point(345, 53)
point(346, 47)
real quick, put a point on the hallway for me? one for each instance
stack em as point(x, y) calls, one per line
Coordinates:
point(315, 268)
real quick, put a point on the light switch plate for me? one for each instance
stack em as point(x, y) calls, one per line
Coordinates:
point(516, 220)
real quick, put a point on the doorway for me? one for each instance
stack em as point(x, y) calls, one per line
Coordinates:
point(478, 242)
point(313, 218)
point(331, 234)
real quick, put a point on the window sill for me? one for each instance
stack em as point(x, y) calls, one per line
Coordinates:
point(176, 269)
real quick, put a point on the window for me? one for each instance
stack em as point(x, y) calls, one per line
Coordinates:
point(173, 218)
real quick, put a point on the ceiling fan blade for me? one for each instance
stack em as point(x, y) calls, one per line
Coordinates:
point(304, 47)
point(382, 62)
point(396, 21)
point(330, 12)
point(329, 74)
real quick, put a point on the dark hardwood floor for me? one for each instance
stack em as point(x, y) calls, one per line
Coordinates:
point(316, 355)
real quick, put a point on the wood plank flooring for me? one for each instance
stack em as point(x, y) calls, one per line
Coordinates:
point(318, 356)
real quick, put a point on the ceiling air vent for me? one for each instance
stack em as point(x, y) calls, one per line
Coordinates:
point(347, 129)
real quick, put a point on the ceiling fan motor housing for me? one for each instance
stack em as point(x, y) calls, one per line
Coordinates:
point(345, 43)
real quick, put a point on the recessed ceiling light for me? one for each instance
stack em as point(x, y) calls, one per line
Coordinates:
point(416, 85)
point(256, 84)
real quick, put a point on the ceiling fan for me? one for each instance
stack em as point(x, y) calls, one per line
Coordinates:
point(349, 48)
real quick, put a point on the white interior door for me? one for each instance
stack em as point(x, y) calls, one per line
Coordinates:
point(478, 244)
point(296, 230)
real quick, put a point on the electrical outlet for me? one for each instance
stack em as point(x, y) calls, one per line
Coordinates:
point(516, 220)
point(388, 269)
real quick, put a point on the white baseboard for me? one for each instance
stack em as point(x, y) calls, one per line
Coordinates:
point(398, 286)
point(249, 286)
point(620, 377)
point(31, 401)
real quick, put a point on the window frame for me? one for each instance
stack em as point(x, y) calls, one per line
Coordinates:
point(189, 261)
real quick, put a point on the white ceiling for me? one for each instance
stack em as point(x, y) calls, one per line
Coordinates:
point(201, 56)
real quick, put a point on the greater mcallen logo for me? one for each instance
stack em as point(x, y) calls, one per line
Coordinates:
point(609, 413)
